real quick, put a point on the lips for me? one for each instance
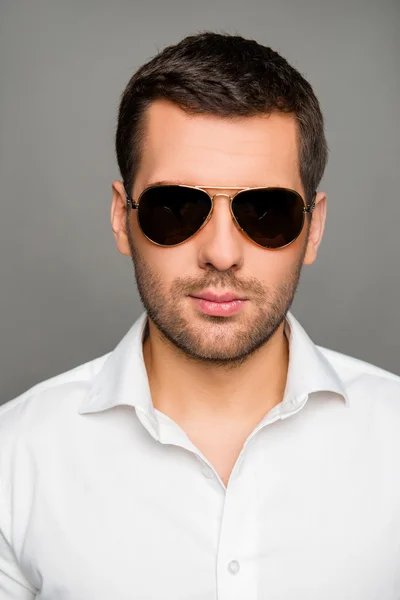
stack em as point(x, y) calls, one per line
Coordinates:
point(227, 297)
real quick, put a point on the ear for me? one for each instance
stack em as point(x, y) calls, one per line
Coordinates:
point(118, 217)
point(316, 228)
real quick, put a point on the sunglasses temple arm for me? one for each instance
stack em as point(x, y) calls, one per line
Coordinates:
point(130, 201)
point(310, 207)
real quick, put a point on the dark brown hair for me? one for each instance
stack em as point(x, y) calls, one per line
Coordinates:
point(227, 76)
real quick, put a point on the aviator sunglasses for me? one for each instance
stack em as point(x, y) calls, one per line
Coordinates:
point(170, 214)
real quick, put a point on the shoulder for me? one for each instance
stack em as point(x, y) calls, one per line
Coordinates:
point(48, 402)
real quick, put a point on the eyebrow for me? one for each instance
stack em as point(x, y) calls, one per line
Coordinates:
point(178, 182)
point(163, 182)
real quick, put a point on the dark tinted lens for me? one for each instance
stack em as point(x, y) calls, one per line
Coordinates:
point(170, 214)
point(271, 217)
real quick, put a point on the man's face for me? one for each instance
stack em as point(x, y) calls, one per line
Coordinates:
point(211, 151)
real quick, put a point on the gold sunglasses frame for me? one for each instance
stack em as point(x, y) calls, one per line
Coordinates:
point(308, 208)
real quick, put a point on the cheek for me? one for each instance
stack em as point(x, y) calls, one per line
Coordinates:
point(273, 266)
point(168, 264)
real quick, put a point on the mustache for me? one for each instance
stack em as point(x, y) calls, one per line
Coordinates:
point(221, 281)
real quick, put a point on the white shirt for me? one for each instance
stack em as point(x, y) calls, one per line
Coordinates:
point(103, 497)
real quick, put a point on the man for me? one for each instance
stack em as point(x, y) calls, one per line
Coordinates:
point(216, 452)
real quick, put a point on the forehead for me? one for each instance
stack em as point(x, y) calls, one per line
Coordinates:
point(195, 149)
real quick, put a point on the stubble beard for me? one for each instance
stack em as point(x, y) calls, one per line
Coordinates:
point(232, 340)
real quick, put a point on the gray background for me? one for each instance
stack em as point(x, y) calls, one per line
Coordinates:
point(67, 296)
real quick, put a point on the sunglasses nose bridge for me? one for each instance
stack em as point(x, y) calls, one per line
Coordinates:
point(212, 196)
point(221, 194)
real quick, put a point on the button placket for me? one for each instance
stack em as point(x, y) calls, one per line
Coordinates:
point(238, 543)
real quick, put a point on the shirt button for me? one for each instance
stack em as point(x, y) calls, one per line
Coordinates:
point(233, 567)
point(207, 472)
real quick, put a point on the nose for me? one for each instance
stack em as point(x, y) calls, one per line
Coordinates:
point(221, 243)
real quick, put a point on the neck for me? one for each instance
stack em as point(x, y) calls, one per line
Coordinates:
point(188, 391)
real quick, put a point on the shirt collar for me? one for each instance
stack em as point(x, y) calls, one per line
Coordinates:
point(122, 379)
point(309, 370)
